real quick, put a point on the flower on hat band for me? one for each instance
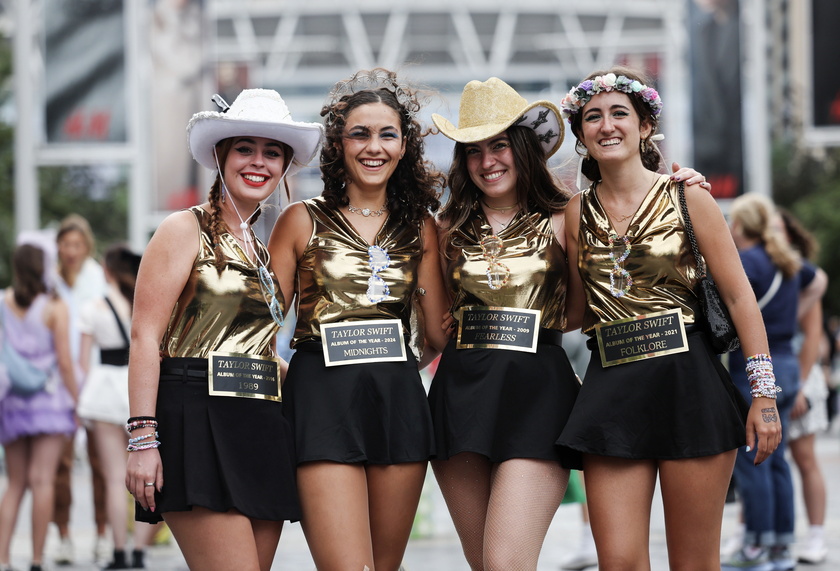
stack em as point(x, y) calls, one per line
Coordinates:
point(581, 94)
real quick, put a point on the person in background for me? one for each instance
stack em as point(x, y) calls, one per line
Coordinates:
point(668, 412)
point(80, 280)
point(103, 402)
point(34, 428)
point(809, 415)
point(210, 451)
point(365, 250)
point(777, 276)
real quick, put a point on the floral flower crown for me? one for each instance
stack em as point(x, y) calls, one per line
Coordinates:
point(580, 95)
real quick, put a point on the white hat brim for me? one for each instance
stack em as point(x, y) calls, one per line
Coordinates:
point(206, 129)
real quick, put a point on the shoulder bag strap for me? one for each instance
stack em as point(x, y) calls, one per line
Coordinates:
point(771, 293)
point(119, 323)
point(689, 231)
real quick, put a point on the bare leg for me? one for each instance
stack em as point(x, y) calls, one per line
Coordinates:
point(216, 541)
point(17, 459)
point(813, 482)
point(619, 493)
point(693, 494)
point(393, 495)
point(336, 521)
point(464, 481)
point(43, 464)
point(525, 495)
point(110, 443)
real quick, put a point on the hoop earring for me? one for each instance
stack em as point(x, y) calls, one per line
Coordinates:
point(581, 149)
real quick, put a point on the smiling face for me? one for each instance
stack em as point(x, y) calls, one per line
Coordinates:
point(373, 146)
point(254, 167)
point(72, 251)
point(611, 128)
point(492, 169)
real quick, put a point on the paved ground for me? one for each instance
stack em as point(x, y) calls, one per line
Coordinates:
point(436, 548)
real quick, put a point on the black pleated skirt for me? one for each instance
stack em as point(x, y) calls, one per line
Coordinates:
point(373, 413)
point(502, 404)
point(682, 405)
point(219, 452)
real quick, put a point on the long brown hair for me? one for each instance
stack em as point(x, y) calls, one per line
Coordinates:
point(537, 190)
point(28, 276)
point(123, 264)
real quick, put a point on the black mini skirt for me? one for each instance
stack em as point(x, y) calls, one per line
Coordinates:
point(502, 404)
point(372, 413)
point(220, 452)
point(682, 405)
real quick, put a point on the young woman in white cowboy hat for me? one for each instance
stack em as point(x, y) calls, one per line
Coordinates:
point(211, 453)
point(504, 387)
point(658, 405)
point(362, 259)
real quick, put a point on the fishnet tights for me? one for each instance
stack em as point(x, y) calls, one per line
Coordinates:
point(501, 511)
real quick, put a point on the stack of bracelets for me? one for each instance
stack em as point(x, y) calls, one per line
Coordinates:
point(761, 377)
point(146, 441)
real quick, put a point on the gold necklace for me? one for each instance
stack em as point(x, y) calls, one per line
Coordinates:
point(620, 219)
point(500, 208)
point(504, 225)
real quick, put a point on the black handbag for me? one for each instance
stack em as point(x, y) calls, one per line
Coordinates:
point(717, 323)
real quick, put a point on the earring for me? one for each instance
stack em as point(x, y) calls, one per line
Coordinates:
point(643, 146)
point(581, 149)
point(223, 195)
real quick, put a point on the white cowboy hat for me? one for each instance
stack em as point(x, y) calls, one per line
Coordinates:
point(491, 107)
point(255, 113)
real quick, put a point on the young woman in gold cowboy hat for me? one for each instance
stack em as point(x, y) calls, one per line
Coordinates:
point(362, 262)
point(504, 387)
point(210, 451)
point(656, 405)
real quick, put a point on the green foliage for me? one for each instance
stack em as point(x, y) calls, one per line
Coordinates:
point(7, 212)
point(809, 186)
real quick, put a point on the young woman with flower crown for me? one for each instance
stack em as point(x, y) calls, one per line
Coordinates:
point(671, 411)
point(207, 308)
point(362, 262)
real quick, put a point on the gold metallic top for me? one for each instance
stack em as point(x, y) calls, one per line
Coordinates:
point(537, 265)
point(221, 311)
point(660, 262)
point(333, 272)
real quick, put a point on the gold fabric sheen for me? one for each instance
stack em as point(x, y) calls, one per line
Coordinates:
point(221, 311)
point(660, 262)
point(332, 274)
point(537, 263)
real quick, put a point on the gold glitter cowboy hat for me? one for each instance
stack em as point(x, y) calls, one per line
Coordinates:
point(254, 113)
point(491, 107)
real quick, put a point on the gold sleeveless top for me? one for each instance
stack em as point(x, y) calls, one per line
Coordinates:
point(221, 311)
point(660, 262)
point(530, 250)
point(332, 274)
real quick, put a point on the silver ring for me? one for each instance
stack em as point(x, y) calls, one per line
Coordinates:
point(150, 484)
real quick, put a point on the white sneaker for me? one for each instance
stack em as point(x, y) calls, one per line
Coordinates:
point(102, 550)
point(732, 544)
point(814, 551)
point(64, 553)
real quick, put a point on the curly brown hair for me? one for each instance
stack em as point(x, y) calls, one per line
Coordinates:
point(651, 156)
point(415, 185)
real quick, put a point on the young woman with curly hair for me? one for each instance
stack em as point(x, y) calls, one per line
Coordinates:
point(364, 251)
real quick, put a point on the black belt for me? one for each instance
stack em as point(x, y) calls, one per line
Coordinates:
point(184, 367)
point(115, 357)
point(550, 337)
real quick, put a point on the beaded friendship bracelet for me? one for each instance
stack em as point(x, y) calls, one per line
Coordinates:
point(144, 446)
point(133, 425)
point(760, 376)
point(152, 435)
